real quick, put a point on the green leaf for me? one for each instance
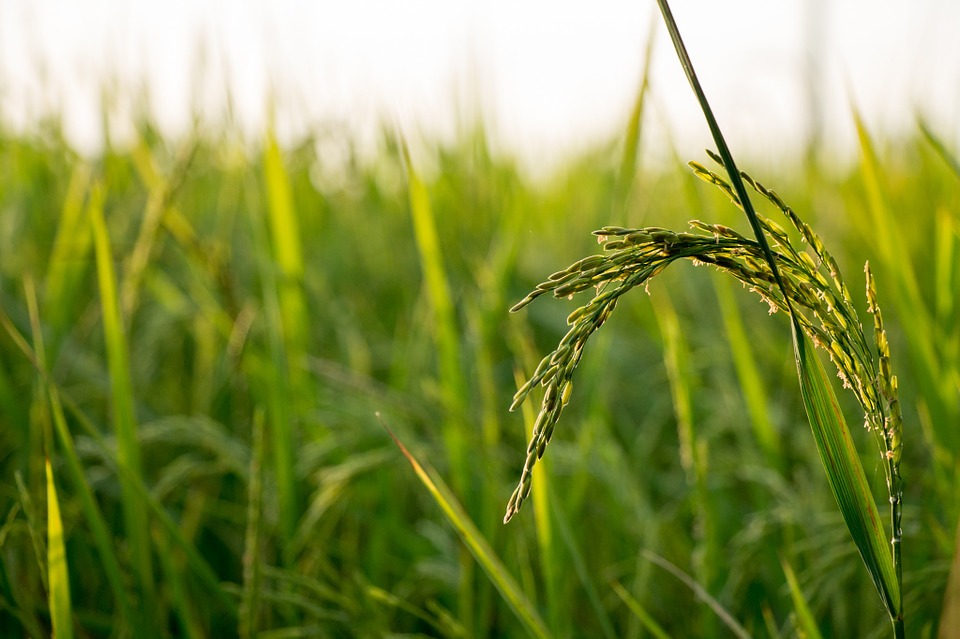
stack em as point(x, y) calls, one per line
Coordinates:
point(61, 615)
point(477, 544)
point(807, 624)
point(845, 472)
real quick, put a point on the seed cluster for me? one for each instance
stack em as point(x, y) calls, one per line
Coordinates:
point(813, 283)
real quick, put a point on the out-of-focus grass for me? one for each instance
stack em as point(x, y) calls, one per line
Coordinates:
point(319, 528)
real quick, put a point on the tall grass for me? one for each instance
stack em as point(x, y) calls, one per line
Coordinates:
point(267, 500)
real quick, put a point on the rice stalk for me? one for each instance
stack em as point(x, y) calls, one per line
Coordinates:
point(124, 420)
point(824, 314)
point(788, 280)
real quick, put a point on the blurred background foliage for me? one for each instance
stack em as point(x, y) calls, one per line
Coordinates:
point(272, 300)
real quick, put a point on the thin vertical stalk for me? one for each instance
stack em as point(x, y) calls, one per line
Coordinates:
point(844, 470)
point(124, 420)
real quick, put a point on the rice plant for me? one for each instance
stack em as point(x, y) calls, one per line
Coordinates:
point(808, 287)
point(813, 283)
point(197, 335)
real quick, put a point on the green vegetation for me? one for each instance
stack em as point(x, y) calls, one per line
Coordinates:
point(198, 335)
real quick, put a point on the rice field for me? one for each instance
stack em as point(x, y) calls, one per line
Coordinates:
point(249, 391)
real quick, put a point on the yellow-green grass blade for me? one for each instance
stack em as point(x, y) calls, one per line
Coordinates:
point(444, 316)
point(68, 259)
point(477, 544)
point(542, 519)
point(845, 475)
point(693, 450)
point(107, 452)
point(74, 467)
point(807, 624)
point(288, 255)
point(91, 511)
point(748, 373)
point(934, 374)
point(580, 567)
point(939, 147)
point(649, 623)
point(124, 420)
point(946, 266)
point(272, 377)
point(195, 560)
point(13, 596)
point(634, 130)
point(447, 342)
point(61, 613)
point(702, 593)
point(160, 193)
point(950, 612)
point(250, 601)
point(34, 528)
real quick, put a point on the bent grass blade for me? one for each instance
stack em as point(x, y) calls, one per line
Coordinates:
point(474, 540)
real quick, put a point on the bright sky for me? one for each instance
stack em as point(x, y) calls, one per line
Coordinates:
point(549, 76)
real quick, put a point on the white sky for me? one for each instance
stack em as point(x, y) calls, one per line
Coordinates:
point(549, 76)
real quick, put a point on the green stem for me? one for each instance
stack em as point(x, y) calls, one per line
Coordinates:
point(722, 148)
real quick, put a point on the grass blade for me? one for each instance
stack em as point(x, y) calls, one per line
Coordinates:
point(748, 374)
point(69, 261)
point(836, 449)
point(124, 420)
point(61, 615)
point(34, 527)
point(632, 135)
point(845, 475)
point(580, 567)
point(287, 251)
point(808, 625)
point(451, 379)
point(444, 317)
point(249, 602)
point(950, 611)
point(74, 467)
point(701, 594)
point(693, 450)
point(935, 375)
point(91, 511)
point(939, 147)
point(640, 612)
point(542, 518)
point(479, 548)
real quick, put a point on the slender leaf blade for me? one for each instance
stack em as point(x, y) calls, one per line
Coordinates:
point(478, 545)
point(845, 475)
point(61, 615)
point(800, 606)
